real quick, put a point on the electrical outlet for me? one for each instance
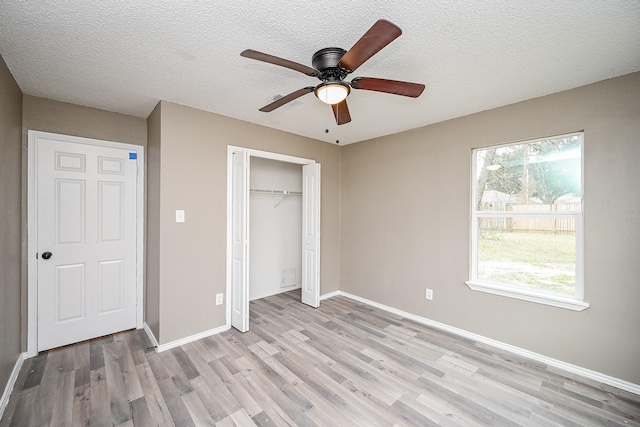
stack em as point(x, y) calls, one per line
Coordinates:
point(429, 294)
point(219, 299)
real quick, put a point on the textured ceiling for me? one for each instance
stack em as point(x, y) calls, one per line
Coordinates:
point(125, 56)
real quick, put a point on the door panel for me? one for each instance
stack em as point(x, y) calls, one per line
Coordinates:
point(108, 165)
point(70, 210)
point(86, 217)
point(311, 234)
point(70, 161)
point(69, 295)
point(110, 286)
point(110, 211)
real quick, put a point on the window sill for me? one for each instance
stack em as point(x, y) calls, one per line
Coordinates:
point(528, 295)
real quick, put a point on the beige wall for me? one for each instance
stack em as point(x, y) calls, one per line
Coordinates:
point(405, 225)
point(404, 202)
point(69, 119)
point(10, 218)
point(192, 257)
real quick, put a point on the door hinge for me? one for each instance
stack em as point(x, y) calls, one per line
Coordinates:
point(36, 255)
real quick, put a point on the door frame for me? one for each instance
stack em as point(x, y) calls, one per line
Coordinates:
point(251, 153)
point(32, 227)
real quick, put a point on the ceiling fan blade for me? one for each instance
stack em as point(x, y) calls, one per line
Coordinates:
point(395, 87)
point(288, 98)
point(379, 35)
point(264, 57)
point(341, 112)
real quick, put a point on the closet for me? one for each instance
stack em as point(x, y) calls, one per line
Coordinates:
point(275, 227)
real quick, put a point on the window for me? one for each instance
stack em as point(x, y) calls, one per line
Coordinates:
point(526, 227)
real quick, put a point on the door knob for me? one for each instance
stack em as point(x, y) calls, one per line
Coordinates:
point(46, 255)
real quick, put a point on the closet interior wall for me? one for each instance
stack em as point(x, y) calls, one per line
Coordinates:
point(275, 227)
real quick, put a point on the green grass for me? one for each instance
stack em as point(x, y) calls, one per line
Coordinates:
point(535, 248)
point(535, 260)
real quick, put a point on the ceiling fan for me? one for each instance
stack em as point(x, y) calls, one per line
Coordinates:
point(332, 65)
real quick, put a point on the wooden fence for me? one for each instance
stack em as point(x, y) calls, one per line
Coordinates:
point(530, 224)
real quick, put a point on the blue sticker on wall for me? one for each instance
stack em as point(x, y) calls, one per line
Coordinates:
point(133, 156)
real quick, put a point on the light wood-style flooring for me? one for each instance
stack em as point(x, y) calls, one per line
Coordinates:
point(344, 364)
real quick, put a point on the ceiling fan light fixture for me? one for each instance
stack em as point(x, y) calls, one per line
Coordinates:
point(332, 92)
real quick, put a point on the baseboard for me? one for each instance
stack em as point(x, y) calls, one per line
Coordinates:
point(11, 382)
point(574, 369)
point(276, 292)
point(152, 338)
point(182, 341)
point(329, 295)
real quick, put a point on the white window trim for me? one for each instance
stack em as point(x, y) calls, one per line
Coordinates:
point(576, 302)
point(555, 300)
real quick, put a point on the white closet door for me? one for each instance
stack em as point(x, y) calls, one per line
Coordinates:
point(240, 242)
point(311, 234)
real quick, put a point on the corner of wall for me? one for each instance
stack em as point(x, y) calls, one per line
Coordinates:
point(11, 227)
point(152, 262)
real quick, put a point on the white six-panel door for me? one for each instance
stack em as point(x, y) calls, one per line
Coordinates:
point(86, 221)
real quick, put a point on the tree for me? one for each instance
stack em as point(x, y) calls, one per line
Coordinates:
point(488, 156)
point(555, 172)
point(546, 169)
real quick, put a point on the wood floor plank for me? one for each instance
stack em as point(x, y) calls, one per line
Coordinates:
point(202, 366)
point(82, 354)
point(37, 369)
point(96, 354)
point(488, 393)
point(24, 415)
point(153, 397)
point(214, 349)
point(214, 408)
point(197, 410)
point(242, 419)
point(118, 402)
point(100, 410)
point(240, 389)
point(170, 363)
point(343, 364)
point(177, 409)
point(140, 414)
point(157, 367)
point(185, 363)
point(81, 415)
point(283, 396)
point(63, 407)
point(47, 391)
point(120, 352)
point(273, 414)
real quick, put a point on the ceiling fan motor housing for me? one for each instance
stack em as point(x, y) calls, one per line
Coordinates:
point(326, 62)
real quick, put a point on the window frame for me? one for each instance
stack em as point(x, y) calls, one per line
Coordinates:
point(555, 299)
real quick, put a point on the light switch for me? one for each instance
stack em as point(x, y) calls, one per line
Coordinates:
point(180, 215)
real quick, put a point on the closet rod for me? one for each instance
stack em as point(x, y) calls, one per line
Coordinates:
point(279, 192)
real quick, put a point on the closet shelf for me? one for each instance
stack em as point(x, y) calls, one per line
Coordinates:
point(277, 192)
point(281, 193)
